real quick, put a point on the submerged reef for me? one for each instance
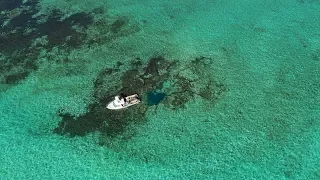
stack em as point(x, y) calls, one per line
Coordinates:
point(21, 28)
point(10, 5)
point(180, 83)
point(26, 33)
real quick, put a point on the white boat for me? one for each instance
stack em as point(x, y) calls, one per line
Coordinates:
point(122, 103)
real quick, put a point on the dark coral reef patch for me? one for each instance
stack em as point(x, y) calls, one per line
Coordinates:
point(21, 28)
point(110, 82)
point(179, 82)
point(25, 33)
point(10, 4)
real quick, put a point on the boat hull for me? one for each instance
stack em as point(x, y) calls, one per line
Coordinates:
point(130, 101)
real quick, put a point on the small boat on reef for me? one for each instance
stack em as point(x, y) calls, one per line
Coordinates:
point(123, 102)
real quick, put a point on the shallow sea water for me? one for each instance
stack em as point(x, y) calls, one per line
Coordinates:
point(241, 81)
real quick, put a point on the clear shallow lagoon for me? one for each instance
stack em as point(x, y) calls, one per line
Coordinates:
point(241, 79)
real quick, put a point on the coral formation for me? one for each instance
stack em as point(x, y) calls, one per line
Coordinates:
point(21, 42)
point(142, 79)
point(17, 37)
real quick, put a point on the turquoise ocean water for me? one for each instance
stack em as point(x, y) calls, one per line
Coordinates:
point(237, 83)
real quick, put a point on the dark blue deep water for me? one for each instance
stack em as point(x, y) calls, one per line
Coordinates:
point(155, 98)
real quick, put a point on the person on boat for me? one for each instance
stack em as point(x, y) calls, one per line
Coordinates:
point(120, 100)
point(123, 96)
